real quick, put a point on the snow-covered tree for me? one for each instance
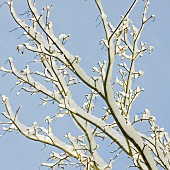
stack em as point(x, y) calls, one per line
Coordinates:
point(59, 74)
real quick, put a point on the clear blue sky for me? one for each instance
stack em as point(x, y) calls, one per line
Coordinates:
point(78, 18)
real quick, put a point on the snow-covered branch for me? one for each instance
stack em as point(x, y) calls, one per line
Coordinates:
point(61, 71)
